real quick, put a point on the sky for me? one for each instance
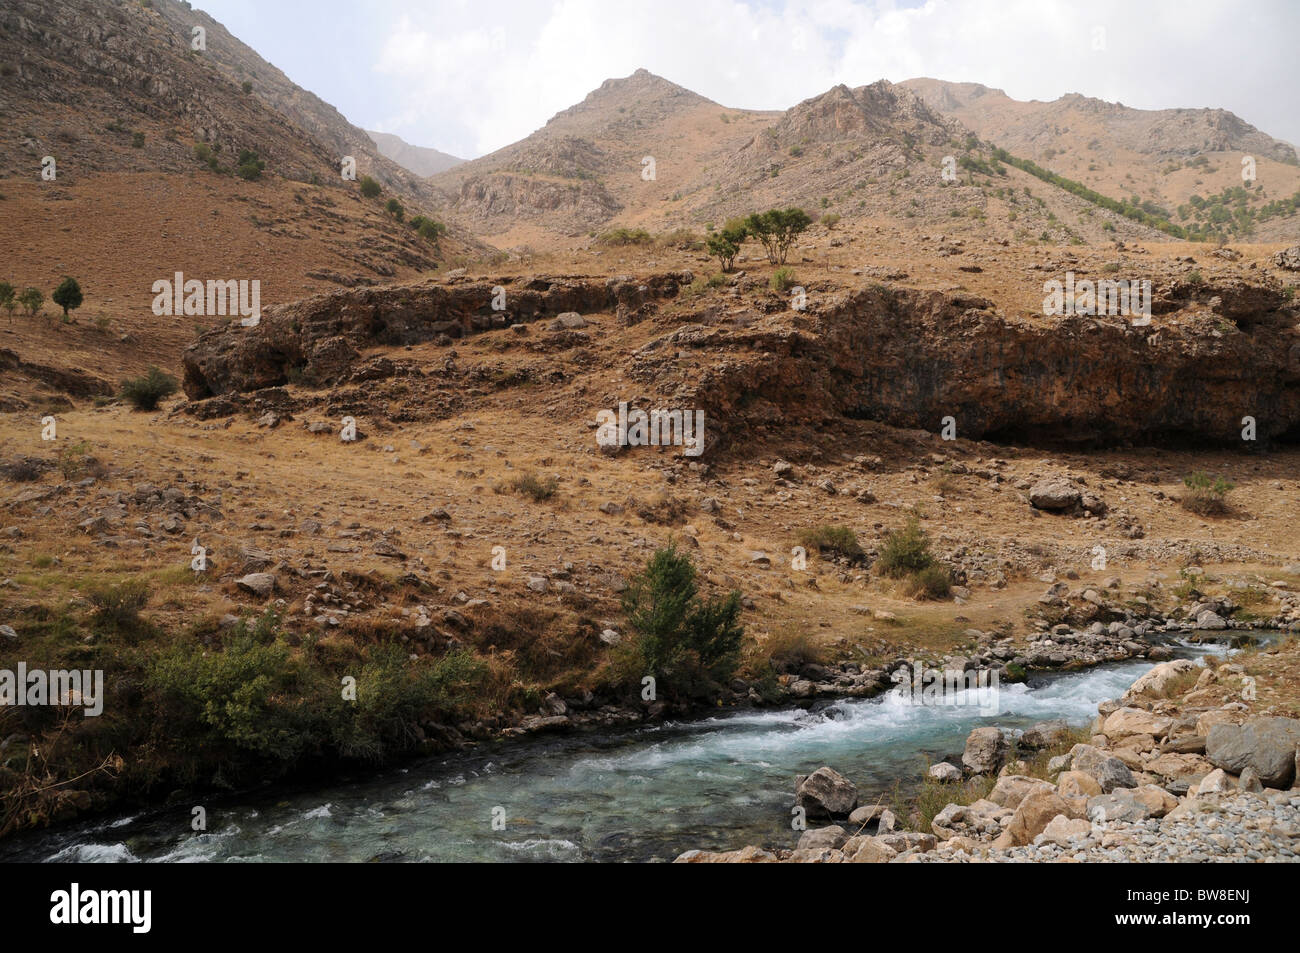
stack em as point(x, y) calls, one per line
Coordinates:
point(471, 76)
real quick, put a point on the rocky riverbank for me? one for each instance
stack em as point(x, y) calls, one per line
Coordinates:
point(1188, 765)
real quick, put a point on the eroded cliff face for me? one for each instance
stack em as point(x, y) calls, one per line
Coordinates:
point(905, 357)
point(912, 358)
point(319, 339)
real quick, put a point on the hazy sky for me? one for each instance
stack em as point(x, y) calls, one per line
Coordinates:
point(470, 76)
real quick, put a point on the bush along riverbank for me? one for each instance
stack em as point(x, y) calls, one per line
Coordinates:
point(224, 707)
point(1191, 763)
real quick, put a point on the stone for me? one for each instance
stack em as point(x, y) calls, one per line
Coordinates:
point(1060, 830)
point(1032, 816)
point(823, 838)
point(866, 814)
point(1045, 734)
point(1155, 683)
point(1053, 494)
point(945, 773)
point(569, 320)
point(1012, 789)
point(8, 632)
point(872, 851)
point(1207, 619)
point(746, 855)
point(826, 793)
point(1110, 772)
point(1135, 721)
point(1217, 781)
point(260, 584)
point(986, 749)
point(1077, 784)
point(1268, 744)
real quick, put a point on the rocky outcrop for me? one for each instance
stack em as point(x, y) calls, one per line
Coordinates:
point(320, 338)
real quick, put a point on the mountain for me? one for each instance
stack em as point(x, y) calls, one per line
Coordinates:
point(146, 135)
point(1163, 155)
point(872, 151)
point(418, 159)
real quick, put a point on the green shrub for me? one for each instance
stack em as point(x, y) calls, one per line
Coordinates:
point(431, 230)
point(369, 187)
point(8, 299)
point(395, 209)
point(1205, 495)
point(625, 236)
point(76, 462)
point(688, 644)
point(783, 279)
point(777, 229)
point(31, 299)
point(725, 244)
point(905, 551)
point(68, 295)
point(144, 393)
point(137, 140)
point(830, 219)
point(836, 540)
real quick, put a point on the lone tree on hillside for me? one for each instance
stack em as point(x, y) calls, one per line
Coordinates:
point(777, 229)
point(68, 295)
point(7, 300)
point(395, 209)
point(31, 299)
point(369, 187)
point(725, 245)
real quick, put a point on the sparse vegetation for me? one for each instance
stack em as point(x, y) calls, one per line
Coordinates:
point(625, 236)
point(1205, 495)
point(369, 187)
point(837, 540)
point(535, 488)
point(31, 299)
point(690, 645)
point(783, 279)
point(777, 229)
point(144, 393)
point(394, 208)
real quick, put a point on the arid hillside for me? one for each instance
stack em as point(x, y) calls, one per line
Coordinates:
point(1163, 156)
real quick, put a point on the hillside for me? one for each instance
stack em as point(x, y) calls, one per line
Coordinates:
point(1164, 156)
point(129, 114)
point(421, 160)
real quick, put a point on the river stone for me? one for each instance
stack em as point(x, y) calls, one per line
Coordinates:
point(985, 750)
point(823, 838)
point(1135, 804)
point(945, 773)
point(1032, 816)
point(1217, 781)
point(260, 584)
point(1155, 683)
point(871, 851)
point(1011, 789)
point(825, 793)
point(866, 814)
point(1124, 722)
point(746, 855)
point(1045, 734)
point(1060, 830)
point(1077, 784)
point(1267, 744)
point(1110, 772)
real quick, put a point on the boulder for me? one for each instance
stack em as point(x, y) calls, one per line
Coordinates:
point(1136, 804)
point(260, 584)
point(1011, 789)
point(1109, 771)
point(1032, 817)
point(1054, 494)
point(1268, 744)
point(746, 855)
point(1077, 784)
point(1045, 734)
point(825, 793)
point(985, 750)
point(1135, 721)
point(871, 851)
point(945, 773)
point(1061, 830)
point(823, 838)
point(1155, 683)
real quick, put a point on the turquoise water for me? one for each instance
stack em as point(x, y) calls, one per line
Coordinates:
point(639, 795)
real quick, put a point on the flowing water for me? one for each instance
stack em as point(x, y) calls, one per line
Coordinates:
point(635, 795)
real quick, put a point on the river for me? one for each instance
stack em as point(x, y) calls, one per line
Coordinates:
point(642, 794)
